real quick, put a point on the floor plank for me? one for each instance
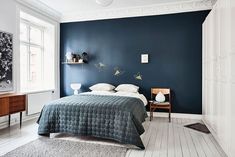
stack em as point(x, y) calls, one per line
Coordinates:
point(191, 145)
point(211, 145)
point(183, 141)
point(161, 139)
point(163, 149)
point(158, 141)
point(177, 141)
point(150, 146)
point(171, 144)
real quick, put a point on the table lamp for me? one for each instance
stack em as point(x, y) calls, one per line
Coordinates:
point(75, 87)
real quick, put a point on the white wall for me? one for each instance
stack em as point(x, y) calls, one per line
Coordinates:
point(218, 73)
point(232, 120)
point(9, 22)
point(8, 19)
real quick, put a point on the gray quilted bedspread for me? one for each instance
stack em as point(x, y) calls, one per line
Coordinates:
point(111, 117)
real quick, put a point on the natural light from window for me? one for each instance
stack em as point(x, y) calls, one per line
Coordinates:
point(37, 54)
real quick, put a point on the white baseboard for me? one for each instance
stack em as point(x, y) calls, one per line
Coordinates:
point(177, 115)
point(15, 121)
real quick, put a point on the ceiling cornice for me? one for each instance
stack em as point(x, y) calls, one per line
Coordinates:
point(148, 10)
point(41, 8)
point(158, 9)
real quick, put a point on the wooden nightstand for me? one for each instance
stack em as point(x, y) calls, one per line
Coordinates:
point(12, 103)
point(153, 105)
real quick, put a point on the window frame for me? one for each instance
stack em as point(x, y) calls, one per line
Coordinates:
point(28, 44)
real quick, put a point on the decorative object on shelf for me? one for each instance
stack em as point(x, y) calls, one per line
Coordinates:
point(144, 58)
point(160, 97)
point(78, 56)
point(118, 71)
point(100, 66)
point(138, 76)
point(80, 61)
point(73, 58)
point(6, 53)
point(85, 57)
point(75, 87)
point(69, 56)
point(104, 3)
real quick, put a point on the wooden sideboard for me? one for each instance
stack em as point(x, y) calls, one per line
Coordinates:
point(12, 103)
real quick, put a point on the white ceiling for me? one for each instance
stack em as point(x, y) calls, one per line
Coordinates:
point(85, 10)
point(67, 6)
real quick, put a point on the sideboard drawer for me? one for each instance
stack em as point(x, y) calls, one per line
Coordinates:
point(17, 104)
point(4, 106)
point(15, 109)
point(17, 98)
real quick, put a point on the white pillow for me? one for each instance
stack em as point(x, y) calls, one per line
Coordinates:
point(102, 87)
point(127, 88)
point(103, 92)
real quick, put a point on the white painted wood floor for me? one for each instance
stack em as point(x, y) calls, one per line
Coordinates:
point(161, 139)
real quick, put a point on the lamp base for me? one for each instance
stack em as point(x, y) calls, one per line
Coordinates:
point(75, 92)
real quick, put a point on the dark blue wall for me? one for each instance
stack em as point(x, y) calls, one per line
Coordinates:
point(173, 42)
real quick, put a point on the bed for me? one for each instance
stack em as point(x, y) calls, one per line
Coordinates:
point(117, 116)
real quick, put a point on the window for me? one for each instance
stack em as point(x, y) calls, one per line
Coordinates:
point(37, 53)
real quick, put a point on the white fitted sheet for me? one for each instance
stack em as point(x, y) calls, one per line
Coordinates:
point(126, 94)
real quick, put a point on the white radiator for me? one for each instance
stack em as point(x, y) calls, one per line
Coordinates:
point(36, 101)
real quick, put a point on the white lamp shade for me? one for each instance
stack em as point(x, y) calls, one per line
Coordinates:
point(160, 97)
point(75, 87)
